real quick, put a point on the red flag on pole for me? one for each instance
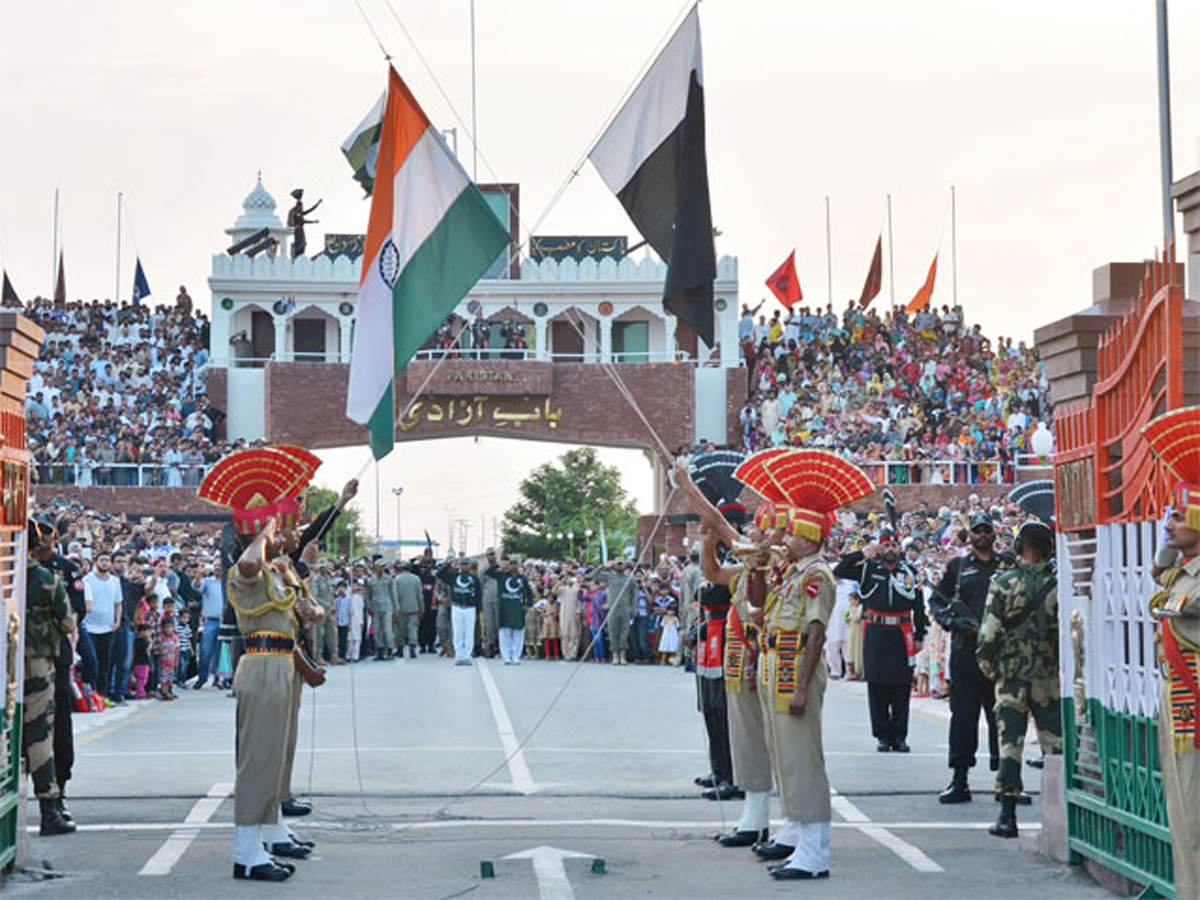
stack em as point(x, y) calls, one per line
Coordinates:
point(925, 294)
point(784, 284)
point(874, 276)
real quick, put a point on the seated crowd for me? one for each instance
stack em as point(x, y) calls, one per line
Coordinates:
point(118, 396)
point(911, 398)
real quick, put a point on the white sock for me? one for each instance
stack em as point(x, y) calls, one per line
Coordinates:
point(788, 834)
point(812, 848)
point(754, 812)
point(277, 833)
point(247, 846)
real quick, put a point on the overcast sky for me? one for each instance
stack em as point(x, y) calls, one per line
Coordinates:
point(1044, 115)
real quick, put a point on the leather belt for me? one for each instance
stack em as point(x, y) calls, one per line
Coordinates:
point(271, 643)
point(877, 619)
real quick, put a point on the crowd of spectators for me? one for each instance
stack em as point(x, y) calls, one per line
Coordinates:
point(921, 398)
point(118, 394)
point(171, 599)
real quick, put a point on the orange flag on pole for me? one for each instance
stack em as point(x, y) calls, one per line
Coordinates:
point(925, 294)
point(784, 283)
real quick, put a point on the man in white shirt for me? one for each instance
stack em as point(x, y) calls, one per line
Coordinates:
point(102, 596)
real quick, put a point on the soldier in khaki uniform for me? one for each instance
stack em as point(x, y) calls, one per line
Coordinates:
point(259, 486)
point(1018, 651)
point(381, 601)
point(747, 735)
point(48, 618)
point(324, 633)
point(792, 672)
point(1177, 608)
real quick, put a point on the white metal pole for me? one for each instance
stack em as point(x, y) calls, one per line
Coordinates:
point(117, 290)
point(1164, 123)
point(828, 250)
point(377, 504)
point(474, 124)
point(953, 246)
point(54, 249)
point(891, 255)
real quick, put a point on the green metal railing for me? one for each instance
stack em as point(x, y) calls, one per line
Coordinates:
point(1116, 812)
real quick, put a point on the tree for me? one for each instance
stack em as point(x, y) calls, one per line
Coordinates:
point(345, 534)
point(571, 496)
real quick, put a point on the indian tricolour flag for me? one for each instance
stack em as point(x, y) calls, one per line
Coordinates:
point(430, 237)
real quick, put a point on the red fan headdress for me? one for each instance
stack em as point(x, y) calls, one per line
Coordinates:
point(1174, 438)
point(258, 483)
point(813, 483)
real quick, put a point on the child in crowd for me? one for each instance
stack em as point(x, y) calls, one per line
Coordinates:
point(550, 642)
point(184, 632)
point(168, 658)
point(533, 631)
point(668, 638)
point(141, 660)
point(354, 634)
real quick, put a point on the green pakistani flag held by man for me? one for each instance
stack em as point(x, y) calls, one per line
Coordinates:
point(430, 237)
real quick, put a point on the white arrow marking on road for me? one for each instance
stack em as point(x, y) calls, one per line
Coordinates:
point(550, 871)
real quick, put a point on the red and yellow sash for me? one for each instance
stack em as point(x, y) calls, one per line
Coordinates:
point(1183, 682)
point(787, 646)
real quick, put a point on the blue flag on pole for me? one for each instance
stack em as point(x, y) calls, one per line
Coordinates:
point(141, 287)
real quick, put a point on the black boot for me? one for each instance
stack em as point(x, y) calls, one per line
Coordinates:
point(412, 652)
point(62, 807)
point(52, 821)
point(1006, 824)
point(958, 790)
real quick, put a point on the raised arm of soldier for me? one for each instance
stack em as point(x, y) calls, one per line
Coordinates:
point(251, 561)
point(709, 564)
point(708, 513)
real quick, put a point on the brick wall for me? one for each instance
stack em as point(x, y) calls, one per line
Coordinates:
point(126, 501)
point(306, 403)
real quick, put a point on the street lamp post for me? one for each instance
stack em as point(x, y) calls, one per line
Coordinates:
point(396, 492)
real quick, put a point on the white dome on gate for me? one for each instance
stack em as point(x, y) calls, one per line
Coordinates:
point(258, 212)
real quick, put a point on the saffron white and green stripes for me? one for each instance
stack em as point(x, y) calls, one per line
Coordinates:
point(431, 236)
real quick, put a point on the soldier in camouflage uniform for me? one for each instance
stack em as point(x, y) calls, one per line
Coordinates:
point(1018, 650)
point(48, 617)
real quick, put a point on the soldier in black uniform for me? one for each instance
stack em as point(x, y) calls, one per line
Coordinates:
point(427, 629)
point(710, 685)
point(958, 605)
point(893, 628)
point(64, 691)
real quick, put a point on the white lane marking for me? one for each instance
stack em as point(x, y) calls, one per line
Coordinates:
point(173, 848)
point(856, 818)
point(903, 849)
point(550, 871)
point(606, 751)
point(438, 824)
point(518, 769)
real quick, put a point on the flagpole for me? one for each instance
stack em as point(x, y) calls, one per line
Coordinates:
point(953, 247)
point(828, 251)
point(54, 247)
point(891, 255)
point(474, 126)
point(1164, 127)
point(117, 292)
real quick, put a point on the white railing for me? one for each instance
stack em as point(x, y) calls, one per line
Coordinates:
point(531, 354)
point(953, 471)
point(98, 474)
